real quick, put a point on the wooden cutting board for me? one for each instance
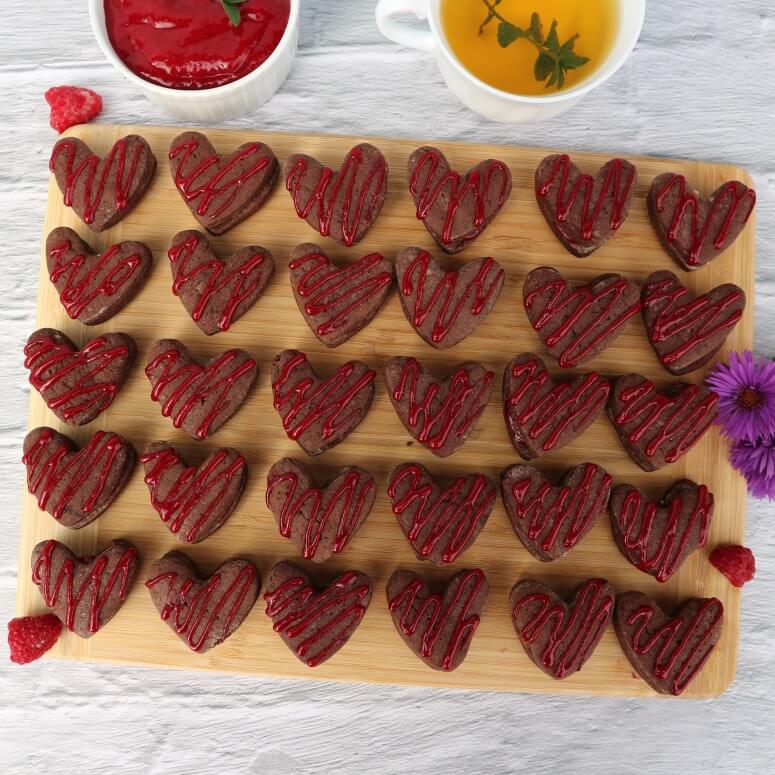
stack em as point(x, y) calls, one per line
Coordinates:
point(520, 240)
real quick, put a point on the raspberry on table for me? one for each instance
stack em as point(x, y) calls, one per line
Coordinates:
point(30, 637)
point(737, 563)
point(72, 105)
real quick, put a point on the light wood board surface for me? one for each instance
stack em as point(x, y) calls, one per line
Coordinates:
point(520, 240)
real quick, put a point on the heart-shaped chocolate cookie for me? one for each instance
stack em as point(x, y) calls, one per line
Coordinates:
point(199, 399)
point(561, 635)
point(217, 292)
point(437, 627)
point(202, 611)
point(315, 622)
point(221, 191)
point(657, 428)
point(77, 385)
point(576, 323)
point(76, 485)
point(695, 230)
point(686, 331)
point(319, 413)
point(94, 287)
point(657, 536)
point(584, 211)
point(319, 520)
point(550, 520)
point(338, 301)
point(543, 415)
point(102, 191)
point(668, 651)
point(343, 204)
point(439, 413)
point(84, 592)
point(440, 522)
point(456, 208)
point(444, 307)
point(193, 502)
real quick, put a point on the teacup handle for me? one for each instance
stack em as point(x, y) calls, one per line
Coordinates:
point(400, 33)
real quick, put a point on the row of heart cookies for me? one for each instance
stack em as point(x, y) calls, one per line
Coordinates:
point(584, 211)
point(559, 635)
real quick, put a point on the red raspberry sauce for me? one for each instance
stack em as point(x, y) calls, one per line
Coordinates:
point(191, 44)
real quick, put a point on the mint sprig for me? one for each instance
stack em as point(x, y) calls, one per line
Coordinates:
point(554, 58)
point(233, 11)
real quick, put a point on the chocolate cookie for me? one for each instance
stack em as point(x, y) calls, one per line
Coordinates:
point(202, 611)
point(193, 502)
point(456, 208)
point(338, 301)
point(84, 592)
point(319, 520)
point(439, 413)
point(576, 323)
point(687, 331)
point(543, 415)
point(343, 204)
point(93, 287)
point(217, 292)
point(199, 399)
point(657, 428)
point(558, 634)
point(444, 307)
point(695, 230)
point(78, 385)
point(438, 628)
point(319, 413)
point(221, 191)
point(550, 520)
point(315, 622)
point(668, 651)
point(657, 536)
point(439, 522)
point(102, 191)
point(584, 211)
point(76, 485)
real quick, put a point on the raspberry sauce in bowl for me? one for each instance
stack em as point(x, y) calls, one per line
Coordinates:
point(192, 44)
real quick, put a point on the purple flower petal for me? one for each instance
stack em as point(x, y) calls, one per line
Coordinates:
point(756, 461)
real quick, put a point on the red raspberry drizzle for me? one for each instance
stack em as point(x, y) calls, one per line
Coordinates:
point(614, 186)
point(358, 203)
point(428, 612)
point(453, 189)
point(190, 488)
point(349, 498)
point(95, 585)
point(475, 296)
point(81, 285)
point(302, 608)
point(736, 194)
point(45, 356)
point(456, 509)
point(589, 616)
point(199, 609)
point(675, 634)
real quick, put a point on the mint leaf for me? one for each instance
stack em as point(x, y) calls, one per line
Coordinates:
point(573, 61)
point(508, 33)
point(231, 7)
point(543, 67)
point(536, 29)
point(552, 41)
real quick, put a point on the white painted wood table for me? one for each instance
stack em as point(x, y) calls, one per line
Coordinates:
point(699, 85)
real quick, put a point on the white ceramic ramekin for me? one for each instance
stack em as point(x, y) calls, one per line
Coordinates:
point(222, 102)
point(493, 103)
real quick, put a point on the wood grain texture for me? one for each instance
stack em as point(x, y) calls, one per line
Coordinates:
point(520, 240)
point(694, 87)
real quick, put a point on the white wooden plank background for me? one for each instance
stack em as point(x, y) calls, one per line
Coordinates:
point(700, 84)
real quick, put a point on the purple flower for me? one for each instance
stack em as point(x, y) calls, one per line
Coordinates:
point(756, 461)
point(746, 390)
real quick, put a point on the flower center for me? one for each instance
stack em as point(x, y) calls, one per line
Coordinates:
point(749, 398)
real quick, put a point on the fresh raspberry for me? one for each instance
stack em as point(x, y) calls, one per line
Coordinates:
point(737, 563)
point(72, 105)
point(30, 637)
